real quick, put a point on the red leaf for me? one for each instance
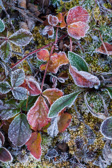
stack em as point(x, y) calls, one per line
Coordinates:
point(48, 30)
point(64, 122)
point(52, 94)
point(32, 86)
point(77, 14)
point(84, 79)
point(77, 19)
point(52, 20)
point(56, 60)
point(5, 155)
point(102, 50)
point(37, 115)
point(34, 145)
point(43, 55)
point(77, 29)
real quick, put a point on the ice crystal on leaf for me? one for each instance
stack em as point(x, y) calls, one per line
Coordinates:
point(77, 19)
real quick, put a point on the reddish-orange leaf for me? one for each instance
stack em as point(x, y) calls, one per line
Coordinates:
point(56, 60)
point(64, 122)
point(37, 115)
point(60, 15)
point(52, 20)
point(43, 55)
point(48, 30)
point(34, 145)
point(52, 94)
point(102, 49)
point(84, 79)
point(77, 14)
point(32, 86)
point(77, 29)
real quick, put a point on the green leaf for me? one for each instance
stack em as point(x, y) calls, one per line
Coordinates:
point(20, 93)
point(109, 89)
point(4, 87)
point(5, 51)
point(17, 77)
point(27, 104)
point(9, 111)
point(106, 128)
point(19, 131)
point(21, 38)
point(77, 61)
point(61, 103)
point(2, 26)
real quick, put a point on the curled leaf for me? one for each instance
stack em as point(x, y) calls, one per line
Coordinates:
point(106, 128)
point(5, 155)
point(19, 131)
point(37, 115)
point(52, 94)
point(102, 50)
point(32, 86)
point(48, 30)
point(84, 79)
point(34, 145)
point(52, 20)
point(21, 38)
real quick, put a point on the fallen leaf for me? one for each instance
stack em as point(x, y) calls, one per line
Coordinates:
point(102, 50)
point(52, 20)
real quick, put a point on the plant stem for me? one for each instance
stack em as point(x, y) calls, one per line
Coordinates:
point(35, 51)
point(52, 49)
point(70, 43)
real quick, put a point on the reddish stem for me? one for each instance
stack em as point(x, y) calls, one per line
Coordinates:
point(70, 44)
point(52, 49)
point(35, 51)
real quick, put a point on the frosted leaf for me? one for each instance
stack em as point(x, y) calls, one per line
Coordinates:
point(48, 30)
point(2, 26)
point(9, 111)
point(4, 87)
point(31, 84)
point(17, 77)
point(19, 131)
point(21, 38)
point(4, 66)
point(61, 103)
point(20, 93)
point(5, 155)
point(2, 138)
point(52, 20)
point(77, 61)
point(5, 51)
point(37, 115)
point(53, 128)
point(84, 79)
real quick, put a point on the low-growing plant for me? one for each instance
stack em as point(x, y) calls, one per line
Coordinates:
point(35, 109)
